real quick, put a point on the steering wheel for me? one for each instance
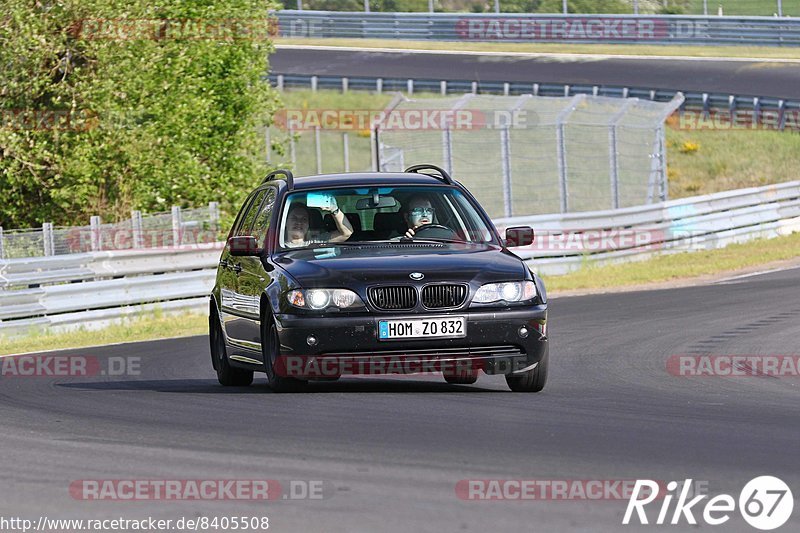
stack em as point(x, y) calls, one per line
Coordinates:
point(435, 231)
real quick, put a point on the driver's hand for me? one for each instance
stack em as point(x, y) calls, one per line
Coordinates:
point(410, 233)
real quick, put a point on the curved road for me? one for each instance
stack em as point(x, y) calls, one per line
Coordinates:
point(741, 77)
point(391, 450)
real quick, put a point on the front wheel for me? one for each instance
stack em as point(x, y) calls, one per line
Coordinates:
point(226, 374)
point(270, 350)
point(531, 381)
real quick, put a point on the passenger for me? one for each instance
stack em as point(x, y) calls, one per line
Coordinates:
point(298, 232)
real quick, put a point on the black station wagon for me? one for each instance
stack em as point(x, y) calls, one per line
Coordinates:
point(374, 273)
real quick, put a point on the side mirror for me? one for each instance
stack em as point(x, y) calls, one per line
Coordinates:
point(519, 236)
point(244, 245)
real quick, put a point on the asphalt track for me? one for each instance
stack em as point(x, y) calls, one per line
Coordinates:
point(756, 78)
point(391, 450)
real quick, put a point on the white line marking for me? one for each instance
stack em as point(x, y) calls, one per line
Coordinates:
point(544, 55)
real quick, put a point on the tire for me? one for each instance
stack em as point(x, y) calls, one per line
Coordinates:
point(461, 379)
point(270, 350)
point(227, 375)
point(530, 381)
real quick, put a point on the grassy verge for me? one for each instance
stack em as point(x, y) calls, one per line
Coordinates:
point(158, 326)
point(679, 266)
point(764, 52)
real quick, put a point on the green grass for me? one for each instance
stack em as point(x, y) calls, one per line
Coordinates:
point(157, 326)
point(766, 8)
point(685, 265)
point(766, 52)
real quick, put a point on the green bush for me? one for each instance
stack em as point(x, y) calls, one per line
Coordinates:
point(144, 120)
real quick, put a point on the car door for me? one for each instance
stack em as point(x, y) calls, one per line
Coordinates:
point(253, 278)
point(234, 307)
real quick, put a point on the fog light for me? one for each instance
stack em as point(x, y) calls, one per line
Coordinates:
point(523, 332)
point(311, 340)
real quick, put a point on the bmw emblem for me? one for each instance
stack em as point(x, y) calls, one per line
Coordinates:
point(416, 276)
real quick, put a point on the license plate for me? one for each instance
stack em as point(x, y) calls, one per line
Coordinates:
point(423, 328)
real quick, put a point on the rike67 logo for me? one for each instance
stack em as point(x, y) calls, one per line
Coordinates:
point(765, 503)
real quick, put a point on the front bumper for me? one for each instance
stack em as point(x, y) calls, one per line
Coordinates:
point(493, 343)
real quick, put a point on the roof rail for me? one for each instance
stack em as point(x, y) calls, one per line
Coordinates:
point(281, 172)
point(443, 176)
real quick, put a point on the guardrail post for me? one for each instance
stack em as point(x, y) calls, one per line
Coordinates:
point(345, 83)
point(176, 226)
point(756, 110)
point(379, 85)
point(706, 112)
point(213, 213)
point(535, 89)
point(136, 229)
point(506, 88)
point(474, 87)
point(280, 82)
point(443, 88)
point(346, 151)
point(732, 107)
point(94, 229)
point(318, 149)
point(410, 86)
point(47, 237)
point(2, 244)
point(314, 82)
point(781, 122)
point(505, 156)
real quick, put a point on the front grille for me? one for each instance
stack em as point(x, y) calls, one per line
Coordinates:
point(393, 298)
point(443, 296)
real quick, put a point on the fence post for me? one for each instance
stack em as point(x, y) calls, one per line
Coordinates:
point(613, 150)
point(346, 151)
point(314, 81)
point(705, 8)
point(47, 237)
point(635, 7)
point(136, 229)
point(447, 149)
point(379, 85)
point(176, 226)
point(561, 147)
point(94, 229)
point(292, 151)
point(280, 82)
point(318, 149)
point(780, 8)
point(345, 84)
point(375, 152)
point(663, 193)
point(2, 244)
point(443, 88)
point(505, 156)
point(566, 11)
point(410, 86)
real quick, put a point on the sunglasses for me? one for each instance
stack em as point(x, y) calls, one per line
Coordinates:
point(419, 211)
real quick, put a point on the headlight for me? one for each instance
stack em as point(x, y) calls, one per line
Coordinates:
point(318, 299)
point(512, 291)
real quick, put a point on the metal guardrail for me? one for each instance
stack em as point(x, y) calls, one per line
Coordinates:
point(95, 288)
point(612, 29)
point(693, 100)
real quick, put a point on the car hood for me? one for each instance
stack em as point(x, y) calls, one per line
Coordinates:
point(352, 266)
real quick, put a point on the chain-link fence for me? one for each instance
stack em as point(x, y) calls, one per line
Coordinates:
point(532, 155)
point(177, 227)
point(766, 8)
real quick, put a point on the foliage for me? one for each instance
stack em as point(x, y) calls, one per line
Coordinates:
point(145, 118)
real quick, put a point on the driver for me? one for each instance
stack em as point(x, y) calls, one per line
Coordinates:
point(418, 212)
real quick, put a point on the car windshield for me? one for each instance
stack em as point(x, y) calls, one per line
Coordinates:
point(379, 214)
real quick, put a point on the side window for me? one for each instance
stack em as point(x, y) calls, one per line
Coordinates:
point(250, 215)
point(264, 217)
